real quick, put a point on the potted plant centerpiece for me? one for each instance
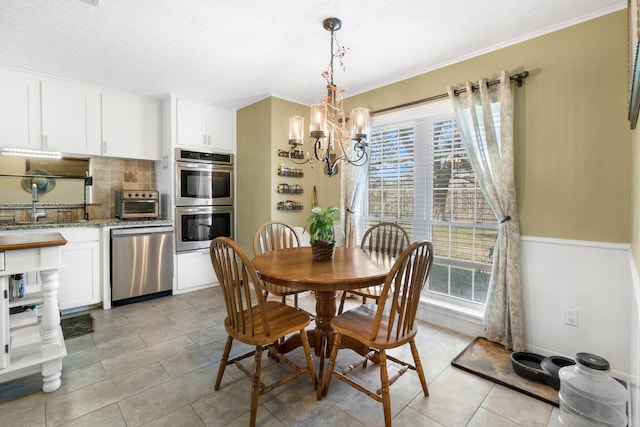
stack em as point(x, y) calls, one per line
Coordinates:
point(321, 231)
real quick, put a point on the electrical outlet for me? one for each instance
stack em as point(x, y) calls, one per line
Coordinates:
point(571, 316)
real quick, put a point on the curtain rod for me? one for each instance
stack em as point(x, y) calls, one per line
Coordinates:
point(517, 77)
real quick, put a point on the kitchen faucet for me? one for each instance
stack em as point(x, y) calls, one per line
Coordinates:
point(35, 215)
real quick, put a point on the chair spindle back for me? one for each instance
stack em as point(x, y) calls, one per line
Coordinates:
point(273, 236)
point(241, 287)
point(386, 237)
point(401, 291)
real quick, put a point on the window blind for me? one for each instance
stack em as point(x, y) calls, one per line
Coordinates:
point(420, 177)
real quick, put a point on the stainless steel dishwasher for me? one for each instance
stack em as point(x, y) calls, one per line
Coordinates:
point(141, 263)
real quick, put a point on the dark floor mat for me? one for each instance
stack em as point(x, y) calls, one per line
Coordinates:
point(77, 325)
point(491, 361)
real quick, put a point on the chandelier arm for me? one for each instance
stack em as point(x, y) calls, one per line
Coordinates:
point(359, 153)
point(330, 167)
point(317, 147)
point(360, 160)
point(364, 157)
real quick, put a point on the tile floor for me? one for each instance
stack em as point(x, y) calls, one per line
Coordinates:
point(154, 364)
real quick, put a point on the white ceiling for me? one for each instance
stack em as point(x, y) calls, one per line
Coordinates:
point(235, 52)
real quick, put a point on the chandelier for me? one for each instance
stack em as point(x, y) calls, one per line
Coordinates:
point(334, 142)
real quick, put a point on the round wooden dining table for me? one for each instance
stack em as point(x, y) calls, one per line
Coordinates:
point(350, 268)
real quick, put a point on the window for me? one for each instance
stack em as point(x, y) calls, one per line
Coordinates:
point(420, 177)
point(391, 172)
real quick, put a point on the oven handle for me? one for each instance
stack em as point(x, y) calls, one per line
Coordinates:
point(210, 226)
point(208, 166)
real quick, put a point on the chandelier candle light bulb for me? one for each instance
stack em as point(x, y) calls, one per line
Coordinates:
point(296, 127)
point(318, 120)
point(360, 122)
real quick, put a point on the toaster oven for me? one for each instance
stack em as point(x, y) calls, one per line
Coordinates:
point(137, 204)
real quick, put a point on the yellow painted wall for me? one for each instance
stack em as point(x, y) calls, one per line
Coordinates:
point(573, 151)
point(252, 189)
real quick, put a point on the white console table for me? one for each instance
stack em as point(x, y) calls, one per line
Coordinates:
point(29, 344)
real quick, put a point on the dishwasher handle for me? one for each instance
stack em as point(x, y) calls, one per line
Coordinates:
point(137, 231)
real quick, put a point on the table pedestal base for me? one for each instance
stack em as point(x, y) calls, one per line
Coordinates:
point(321, 338)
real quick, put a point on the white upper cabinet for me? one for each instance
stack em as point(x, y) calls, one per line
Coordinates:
point(221, 126)
point(19, 110)
point(46, 113)
point(201, 126)
point(191, 123)
point(130, 127)
point(70, 118)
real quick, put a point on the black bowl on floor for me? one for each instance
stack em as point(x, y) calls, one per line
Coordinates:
point(527, 365)
point(551, 365)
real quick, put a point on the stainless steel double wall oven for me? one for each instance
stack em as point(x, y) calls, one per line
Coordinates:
point(204, 198)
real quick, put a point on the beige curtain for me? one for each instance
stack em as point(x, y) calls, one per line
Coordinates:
point(485, 119)
point(352, 183)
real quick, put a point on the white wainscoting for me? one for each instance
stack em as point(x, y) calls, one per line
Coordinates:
point(634, 341)
point(593, 277)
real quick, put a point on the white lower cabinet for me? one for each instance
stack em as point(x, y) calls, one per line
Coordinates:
point(80, 271)
point(194, 271)
point(81, 275)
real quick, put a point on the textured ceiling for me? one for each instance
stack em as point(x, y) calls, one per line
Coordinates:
point(235, 52)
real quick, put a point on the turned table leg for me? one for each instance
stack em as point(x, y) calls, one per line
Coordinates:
point(325, 312)
point(50, 327)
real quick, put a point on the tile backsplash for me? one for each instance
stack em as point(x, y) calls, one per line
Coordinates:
point(110, 175)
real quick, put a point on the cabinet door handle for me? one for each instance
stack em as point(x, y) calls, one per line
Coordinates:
point(45, 141)
point(204, 139)
point(104, 146)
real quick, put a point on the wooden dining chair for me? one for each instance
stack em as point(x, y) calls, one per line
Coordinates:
point(273, 236)
point(253, 320)
point(387, 325)
point(386, 237)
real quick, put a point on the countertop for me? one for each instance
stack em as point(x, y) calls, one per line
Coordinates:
point(110, 222)
point(30, 241)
